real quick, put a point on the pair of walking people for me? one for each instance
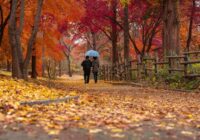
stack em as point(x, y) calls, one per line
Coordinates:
point(87, 65)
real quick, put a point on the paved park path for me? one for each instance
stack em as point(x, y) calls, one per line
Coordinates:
point(121, 113)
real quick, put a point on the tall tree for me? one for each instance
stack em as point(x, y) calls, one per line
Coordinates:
point(126, 32)
point(114, 31)
point(189, 39)
point(34, 64)
point(19, 63)
point(171, 29)
point(144, 25)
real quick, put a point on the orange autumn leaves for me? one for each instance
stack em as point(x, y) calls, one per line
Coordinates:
point(48, 36)
point(55, 13)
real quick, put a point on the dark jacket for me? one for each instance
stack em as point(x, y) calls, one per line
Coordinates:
point(95, 66)
point(86, 64)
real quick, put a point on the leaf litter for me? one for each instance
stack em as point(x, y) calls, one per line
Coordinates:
point(97, 108)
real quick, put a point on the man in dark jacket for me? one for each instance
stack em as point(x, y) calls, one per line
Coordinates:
point(95, 68)
point(86, 64)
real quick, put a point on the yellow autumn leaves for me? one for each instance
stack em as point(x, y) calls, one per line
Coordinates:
point(2, 117)
point(12, 92)
point(18, 90)
point(87, 112)
point(115, 108)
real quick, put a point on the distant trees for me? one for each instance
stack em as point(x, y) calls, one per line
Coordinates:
point(194, 10)
point(121, 29)
point(24, 20)
point(142, 25)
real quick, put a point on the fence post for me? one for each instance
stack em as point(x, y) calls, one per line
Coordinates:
point(121, 71)
point(126, 72)
point(118, 71)
point(111, 73)
point(144, 67)
point(185, 64)
point(170, 65)
point(130, 71)
point(100, 72)
point(139, 62)
point(103, 72)
point(156, 66)
point(107, 73)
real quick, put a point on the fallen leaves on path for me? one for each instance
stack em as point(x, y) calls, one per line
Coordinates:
point(100, 106)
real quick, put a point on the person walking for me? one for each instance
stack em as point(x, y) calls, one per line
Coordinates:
point(95, 68)
point(86, 64)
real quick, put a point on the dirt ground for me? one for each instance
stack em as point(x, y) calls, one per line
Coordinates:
point(158, 114)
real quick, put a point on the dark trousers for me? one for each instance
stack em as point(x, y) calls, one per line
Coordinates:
point(86, 76)
point(95, 76)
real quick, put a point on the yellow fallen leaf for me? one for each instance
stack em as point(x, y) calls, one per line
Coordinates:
point(169, 128)
point(116, 130)
point(190, 116)
point(186, 133)
point(53, 132)
point(118, 135)
point(21, 119)
point(73, 93)
point(2, 117)
point(95, 130)
point(15, 128)
point(77, 118)
point(92, 122)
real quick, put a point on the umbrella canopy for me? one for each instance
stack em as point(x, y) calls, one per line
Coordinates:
point(92, 53)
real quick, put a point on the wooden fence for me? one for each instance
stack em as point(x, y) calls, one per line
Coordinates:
point(152, 66)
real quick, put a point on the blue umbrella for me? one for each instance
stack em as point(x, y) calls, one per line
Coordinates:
point(92, 53)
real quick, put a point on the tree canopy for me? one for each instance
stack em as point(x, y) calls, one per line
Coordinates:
point(119, 29)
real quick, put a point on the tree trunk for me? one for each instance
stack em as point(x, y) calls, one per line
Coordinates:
point(16, 72)
point(171, 42)
point(60, 69)
point(8, 65)
point(48, 65)
point(3, 22)
point(20, 66)
point(43, 59)
point(18, 34)
point(69, 66)
point(189, 39)
point(32, 39)
point(126, 33)
point(114, 32)
point(34, 71)
point(1, 16)
point(94, 44)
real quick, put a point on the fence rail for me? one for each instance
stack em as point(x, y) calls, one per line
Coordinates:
point(151, 66)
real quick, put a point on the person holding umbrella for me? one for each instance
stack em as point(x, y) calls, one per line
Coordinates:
point(94, 65)
point(95, 68)
point(86, 64)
